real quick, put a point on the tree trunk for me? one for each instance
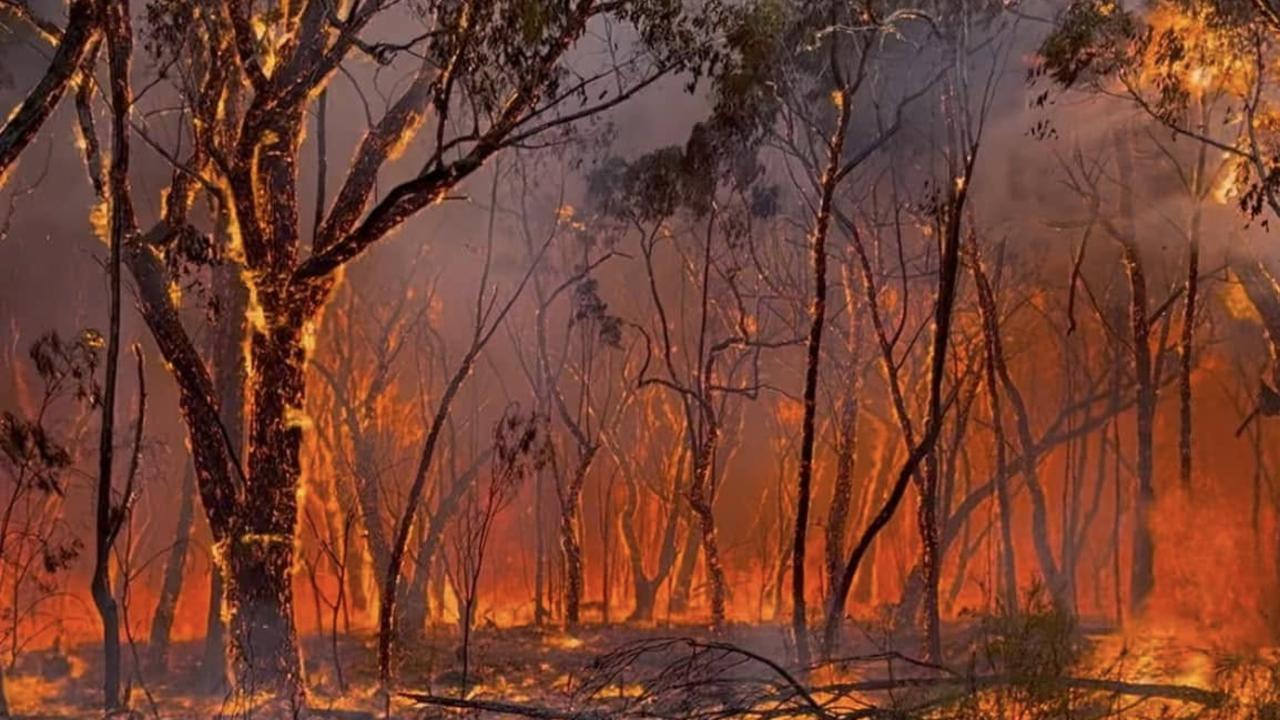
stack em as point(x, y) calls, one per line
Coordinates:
point(1187, 341)
point(681, 591)
point(701, 500)
point(108, 519)
point(259, 551)
point(1142, 573)
point(813, 356)
point(842, 492)
point(174, 573)
point(78, 41)
point(571, 546)
point(259, 603)
point(930, 559)
point(644, 586)
point(571, 538)
point(539, 552)
point(1022, 422)
point(1186, 346)
point(213, 660)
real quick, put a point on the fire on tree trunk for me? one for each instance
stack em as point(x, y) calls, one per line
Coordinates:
point(258, 602)
point(258, 551)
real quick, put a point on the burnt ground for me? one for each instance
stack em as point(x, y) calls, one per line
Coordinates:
point(539, 668)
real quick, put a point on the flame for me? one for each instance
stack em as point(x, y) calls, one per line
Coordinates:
point(100, 220)
point(407, 136)
point(1209, 61)
point(1237, 302)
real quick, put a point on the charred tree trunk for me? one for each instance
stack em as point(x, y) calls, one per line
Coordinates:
point(258, 552)
point(1186, 347)
point(213, 658)
point(1195, 187)
point(109, 519)
point(1022, 416)
point(813, 356)
point(842, 492)
point(701, 500)
point(174, 573)
point(643, 585)
point(1142, 574)
point(571, 537)
point(539, 553)
point(930, 559)
point(682, 589)
point(76, 43)
point(413, 617)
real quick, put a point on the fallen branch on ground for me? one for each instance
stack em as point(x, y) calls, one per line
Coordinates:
point(1156, 691)
point(509, 708)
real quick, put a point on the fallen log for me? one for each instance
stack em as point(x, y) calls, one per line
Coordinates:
point(538, 712)
point(1155, 691)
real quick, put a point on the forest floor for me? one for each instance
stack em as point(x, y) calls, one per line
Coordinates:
point(601, 671)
